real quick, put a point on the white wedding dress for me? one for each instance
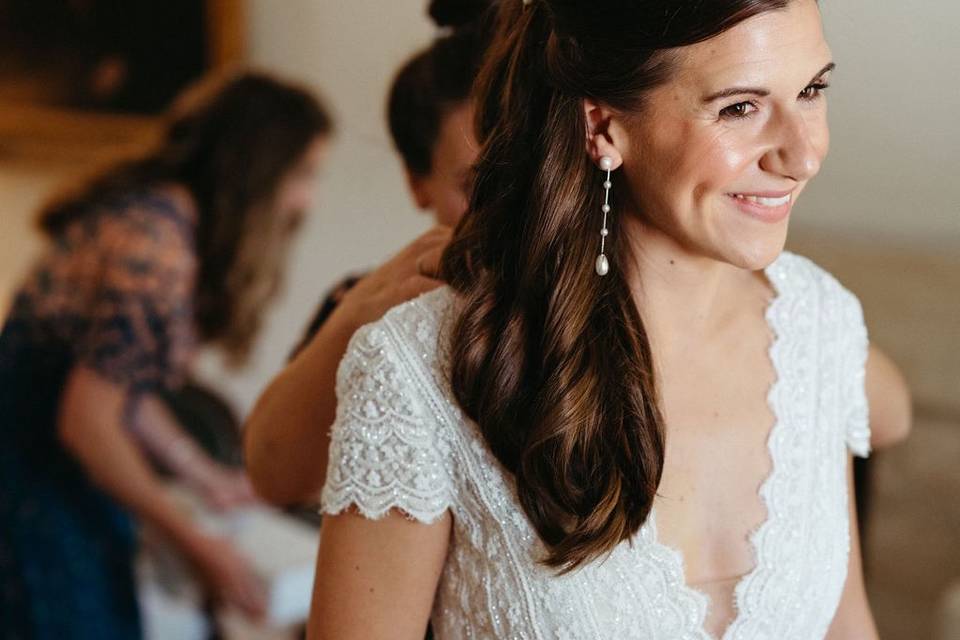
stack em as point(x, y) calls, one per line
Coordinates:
point(400, 441)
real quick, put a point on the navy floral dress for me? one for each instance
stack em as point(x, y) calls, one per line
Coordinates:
point(113, 293)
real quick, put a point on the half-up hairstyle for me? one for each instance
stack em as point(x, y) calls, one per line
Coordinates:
point(552, 361)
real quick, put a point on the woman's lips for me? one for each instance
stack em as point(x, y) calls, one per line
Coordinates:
point(768, 207)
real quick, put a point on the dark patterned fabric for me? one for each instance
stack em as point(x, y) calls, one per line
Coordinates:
point(112, 293)
point(327, 306)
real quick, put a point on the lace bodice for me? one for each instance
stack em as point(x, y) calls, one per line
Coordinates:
point(400, 441)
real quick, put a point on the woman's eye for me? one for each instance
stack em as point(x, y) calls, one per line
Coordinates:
point(738, 111)
point(814, 91)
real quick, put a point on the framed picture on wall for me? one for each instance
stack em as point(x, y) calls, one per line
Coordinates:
point(122, 56)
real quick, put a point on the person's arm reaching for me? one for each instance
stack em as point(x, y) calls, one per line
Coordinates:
point(286, 437)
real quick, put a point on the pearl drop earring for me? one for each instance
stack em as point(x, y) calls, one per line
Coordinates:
point(603, 265)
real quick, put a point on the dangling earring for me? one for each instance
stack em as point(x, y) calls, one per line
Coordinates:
point(603, 265)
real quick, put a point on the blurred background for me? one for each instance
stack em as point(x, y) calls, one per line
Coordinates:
point(82, 82)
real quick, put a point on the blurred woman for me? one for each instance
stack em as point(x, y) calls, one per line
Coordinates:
point(430, 115)
point(179, 248)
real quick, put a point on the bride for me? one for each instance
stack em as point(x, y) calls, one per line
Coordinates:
point(630, 415)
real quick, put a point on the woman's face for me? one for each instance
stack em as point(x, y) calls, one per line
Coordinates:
point(444, 191)
point(720, 153)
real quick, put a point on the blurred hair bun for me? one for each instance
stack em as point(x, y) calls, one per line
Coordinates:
point(457, 13)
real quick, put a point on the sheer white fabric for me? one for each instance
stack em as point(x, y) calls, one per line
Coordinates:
point(400, 441)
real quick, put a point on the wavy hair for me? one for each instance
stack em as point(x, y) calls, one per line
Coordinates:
point(552, 362)
point(229, 143)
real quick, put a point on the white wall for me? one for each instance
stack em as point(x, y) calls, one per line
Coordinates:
point(894, 170)
point(894, 165)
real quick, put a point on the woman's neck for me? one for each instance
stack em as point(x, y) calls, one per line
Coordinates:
point(684, 296)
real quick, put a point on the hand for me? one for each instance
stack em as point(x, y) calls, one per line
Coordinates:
point(408, 274)
point(223, 488)
point(227, 575)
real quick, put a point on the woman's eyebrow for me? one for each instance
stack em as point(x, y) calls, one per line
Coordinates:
point(756, 91)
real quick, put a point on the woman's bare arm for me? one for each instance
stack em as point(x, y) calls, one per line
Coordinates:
point(853, 620)
point(159, 433)
point(287, 435)
point(889, 399)
point(91, 428)
point(376, 579)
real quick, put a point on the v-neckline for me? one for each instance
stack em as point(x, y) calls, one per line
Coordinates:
point(678, 564)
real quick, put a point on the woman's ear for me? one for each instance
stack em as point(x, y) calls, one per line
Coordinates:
point(599, 142)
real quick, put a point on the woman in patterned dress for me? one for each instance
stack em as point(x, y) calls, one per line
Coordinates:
point(159, 255)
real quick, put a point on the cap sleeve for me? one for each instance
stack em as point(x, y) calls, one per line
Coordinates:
point(855, 409)
point(139, 318)
point(386, 451)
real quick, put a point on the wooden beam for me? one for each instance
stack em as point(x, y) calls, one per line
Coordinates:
point(226, 33)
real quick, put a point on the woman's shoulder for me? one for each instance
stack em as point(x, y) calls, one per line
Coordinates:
point(145, 238)
point(390, 444)
point(135, 243)
point(801, 280)
point(152, 227)
point(420, 322)
point(813, 306)
point(415, 330)
point(161, 217)
point(405, 351)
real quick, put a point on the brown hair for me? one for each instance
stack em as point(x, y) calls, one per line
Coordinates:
point(551, 361)
point(436, 81)
point(229, 145)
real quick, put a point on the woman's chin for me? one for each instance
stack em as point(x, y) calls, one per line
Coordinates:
point(757, 254)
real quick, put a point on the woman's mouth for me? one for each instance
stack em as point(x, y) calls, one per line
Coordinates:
point(768, 207)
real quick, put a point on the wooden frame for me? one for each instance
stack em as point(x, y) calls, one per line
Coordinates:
point(226, 32)
point(29, 130)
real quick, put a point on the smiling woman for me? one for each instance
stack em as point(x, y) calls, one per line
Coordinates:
point(658, 451)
